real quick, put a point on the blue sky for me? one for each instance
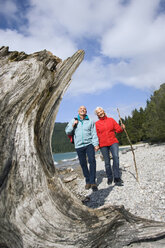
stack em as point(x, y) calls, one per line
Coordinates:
point(123, 40)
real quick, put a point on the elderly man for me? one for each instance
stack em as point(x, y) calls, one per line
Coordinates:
point(86, 143)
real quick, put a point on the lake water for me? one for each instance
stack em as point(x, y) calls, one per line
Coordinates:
point(64, 156)
point(65, 159)
point(70, 158)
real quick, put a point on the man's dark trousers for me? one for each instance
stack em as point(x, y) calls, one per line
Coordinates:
point(89, 174)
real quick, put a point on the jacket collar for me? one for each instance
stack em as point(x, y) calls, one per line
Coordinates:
point(86, 118)
point(103, 118)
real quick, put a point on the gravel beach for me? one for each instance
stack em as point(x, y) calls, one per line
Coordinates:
point(145, 198)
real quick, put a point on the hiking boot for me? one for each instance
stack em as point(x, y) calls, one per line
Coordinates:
point(118, 181)
point(86, 199)
point(88, 186)
point(109, 181)
point(94, 187)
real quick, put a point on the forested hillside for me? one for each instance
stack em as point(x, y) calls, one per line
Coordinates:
point(60, 141)
point(146, 125)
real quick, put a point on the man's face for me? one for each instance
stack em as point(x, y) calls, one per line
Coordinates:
point(82, 111)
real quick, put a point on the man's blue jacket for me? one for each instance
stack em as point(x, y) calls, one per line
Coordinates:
point(85, 132)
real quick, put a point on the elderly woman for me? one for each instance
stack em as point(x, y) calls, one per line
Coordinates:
point(106, 128)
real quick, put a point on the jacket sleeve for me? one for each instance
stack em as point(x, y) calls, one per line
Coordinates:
point(69, 128)
point(95, 140)
point(117, 127)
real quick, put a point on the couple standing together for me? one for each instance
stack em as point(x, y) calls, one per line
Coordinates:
point(90, 137)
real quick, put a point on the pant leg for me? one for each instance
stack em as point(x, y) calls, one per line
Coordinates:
point(106, 156)
point(115, 155)
point(81, 152)
point(92, 163)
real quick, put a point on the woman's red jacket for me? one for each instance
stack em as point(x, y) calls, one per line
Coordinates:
point(106, 128)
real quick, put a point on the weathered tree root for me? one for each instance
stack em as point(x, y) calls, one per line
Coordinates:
point(36, 209)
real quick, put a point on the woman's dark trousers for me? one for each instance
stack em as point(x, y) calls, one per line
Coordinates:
point(114, 149)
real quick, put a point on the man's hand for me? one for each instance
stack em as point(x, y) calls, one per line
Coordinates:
point(75, 123)
point(97, 148)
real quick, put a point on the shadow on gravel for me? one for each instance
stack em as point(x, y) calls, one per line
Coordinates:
point(98, 198)
point(100, 175)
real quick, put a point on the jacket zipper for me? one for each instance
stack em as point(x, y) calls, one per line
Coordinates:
point(82, 132)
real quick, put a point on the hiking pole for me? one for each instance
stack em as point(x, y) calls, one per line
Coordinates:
point(131, 147)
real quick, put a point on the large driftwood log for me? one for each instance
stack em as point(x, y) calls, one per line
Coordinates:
point(36, 209)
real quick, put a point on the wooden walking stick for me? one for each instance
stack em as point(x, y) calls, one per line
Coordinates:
point(137, 179)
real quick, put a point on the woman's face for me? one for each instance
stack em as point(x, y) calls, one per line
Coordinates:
point(100, 113)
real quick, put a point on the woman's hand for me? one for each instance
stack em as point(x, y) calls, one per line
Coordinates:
point(122, 126)
point(97, 148)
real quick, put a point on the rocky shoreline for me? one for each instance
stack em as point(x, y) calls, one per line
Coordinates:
point(145, 198)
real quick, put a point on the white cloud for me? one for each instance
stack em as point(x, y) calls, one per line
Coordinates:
point(77, 18)
point(8, 8)
point(137, 40)
point(90, 77)
point(138, 31)
point(124, 109)
point(59, 46)
point(132, 33)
